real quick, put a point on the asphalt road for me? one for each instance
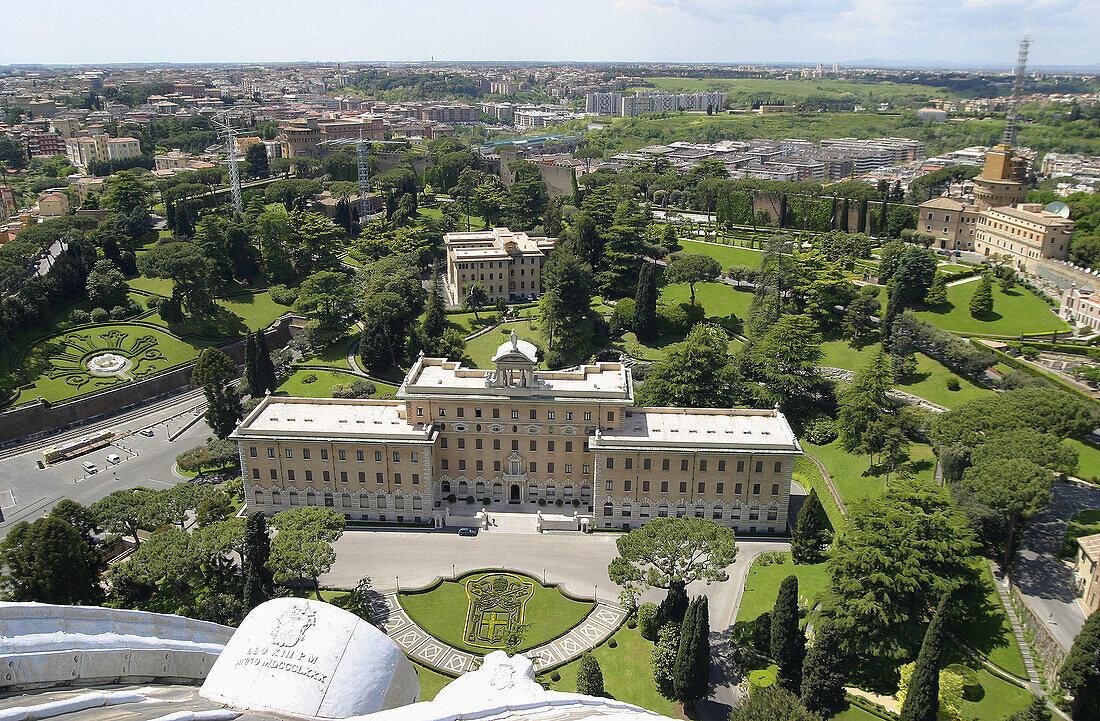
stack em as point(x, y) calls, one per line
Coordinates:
point(27, 492)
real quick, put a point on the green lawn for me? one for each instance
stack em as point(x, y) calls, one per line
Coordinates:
point(808, 476)
point(719, 299)
point(1015, 312)
point(1084, 523)
point(952, 267)
point(156, 286)
point(1088, 460)
point(851, 473)
point(430, 681)
point(298, 387)
point(986, 627)
point(481, 349)
point(441, 612)
point(335, 355)
point(854, 713)
point(476, 221)
point(257, 310)
point(999, 698)
point(929, 381)
point(762, 585)
point(626, 673)
point(726, 255)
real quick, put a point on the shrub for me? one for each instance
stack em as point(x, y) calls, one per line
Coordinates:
point(79, 316)
point(283, 295)
point(631, 622)
point(470, 500)
point(624, 313)
point(971, 681)
point(762, 678)
point(311, 378)
point(820, 430)
point(612, 644)
point(153, 302)
point(119, 312)
point(647, 621)
point(452, 498)
point(678, 319)
point(486, 501)
point(358, 388)
point(542, 501)
point(555, 677)
point(559, 503)
point(953, 384)
point(770, 558)
point(99, 315)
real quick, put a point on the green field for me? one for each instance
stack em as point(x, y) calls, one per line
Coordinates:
point(807, 475)
point(743, 90)
point(298, 385)
point(626, 673)
point(762, 585)
point(441, 611)
point(718, 299)
point(986, 627)
point(430, 681)
point(1088, 461)
point(335, 355)
point(726, 255)
point(1015, 312)
point(851, 473)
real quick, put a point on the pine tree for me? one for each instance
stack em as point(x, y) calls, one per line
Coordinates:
point(922, 700)
point(937, 293)
point(811, 533)
point(683, 671)
point(434, 318)
point(823, 674)
point(258, 585)
point(252, 383)
point(788, 646)
point(645, 304)
point(1080, 674)
point(981, 302)
point(674, 606)
point(590, 676)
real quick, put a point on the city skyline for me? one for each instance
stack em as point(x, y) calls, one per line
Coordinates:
point(938, 34)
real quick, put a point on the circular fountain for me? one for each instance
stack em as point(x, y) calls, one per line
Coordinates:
point(108, 364)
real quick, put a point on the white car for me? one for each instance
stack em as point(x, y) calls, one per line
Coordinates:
point(149, 432)
point(114, 458)
point(89, 467)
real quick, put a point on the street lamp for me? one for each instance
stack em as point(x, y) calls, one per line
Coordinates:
point(453, 576)
point(398, 581)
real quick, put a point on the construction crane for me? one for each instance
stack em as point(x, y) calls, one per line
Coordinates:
point(1011, 125)
point(231, 150)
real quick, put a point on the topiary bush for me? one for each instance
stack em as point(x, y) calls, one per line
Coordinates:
point(555, 677)
point(762, 678)
point(953, 384)
point(452, 498)
point(972, 682)
point(612, 644)
point(99, 315)
point(311, 378)
point(119, 312)
point(542, 501)
point(631, 622)
point(79, 316)
point(283, 295)
point(559, 503)
point(576, 502)
point(470, 500)
point(647, 621)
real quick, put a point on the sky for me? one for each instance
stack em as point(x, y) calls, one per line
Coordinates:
point(951, 33)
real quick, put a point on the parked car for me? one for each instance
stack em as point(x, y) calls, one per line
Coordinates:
point(467, 531)
point(114, 458)
point(147, 432)
point(89, 467)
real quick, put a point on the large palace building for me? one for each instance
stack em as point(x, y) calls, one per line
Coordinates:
point(567, 441)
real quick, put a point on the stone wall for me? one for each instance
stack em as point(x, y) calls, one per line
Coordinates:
point(1043, 643)
point(45, 645)
point(41, 418)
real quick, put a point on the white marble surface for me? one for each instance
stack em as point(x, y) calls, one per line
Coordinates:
point(306, 658)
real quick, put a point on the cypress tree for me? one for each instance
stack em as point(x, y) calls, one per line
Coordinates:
point(263, 360)
point(845, 209)
point(1080, 673)
point(823, 671)
point(882, 219)
point(645, 304)
point(981, 302)
point(435, 319)
point(701, 666)
point(675, 605)
point(788, 641)
point(590, 676)
point(251, 371)
point(811, 533)
point(922, 700)
point(683, 671)
point(782, 211)
point(893, 307)
point(833, 219)
point(937, 292)
point(861, 216)
point(258, 584)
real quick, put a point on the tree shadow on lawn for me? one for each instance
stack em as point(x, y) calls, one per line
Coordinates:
point(940, 309)
point(914, 468)
point(223, 324)
point(913, 378)
point(39, 358)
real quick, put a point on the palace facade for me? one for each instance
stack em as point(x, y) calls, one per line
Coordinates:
point(566, 441)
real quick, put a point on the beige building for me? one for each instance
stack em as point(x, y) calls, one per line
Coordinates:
point(83, 150)
point(53, 205)
point(1003, 180)
point(950, 221)
point(1024, 232)
point(300, 138)
point(507, 265)
point(1081, 306)
point(567, 442)
point(1087, 571)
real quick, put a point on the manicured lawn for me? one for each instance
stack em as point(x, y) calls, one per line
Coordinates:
point(727, 255)
point(855, 713)
point(851, 473)
point(298, 387)
point(762, 585)
point(808, 476)
point(1084, 523)
point(481, 349)
point(336, 355)
point(476, 221)
point(985, 626)
point(1015, 312)
point(442, 610)
point(430, 681)
point(627, 674)
point(999, 698)
point(952, 267)
point(156, 286)
point(718, 299)
point(257, 310)
point(1088, 459)
point(929, 381)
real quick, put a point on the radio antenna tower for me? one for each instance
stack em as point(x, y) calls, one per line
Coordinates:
point(234, 174)
point(364, 177)
point(1011, 124)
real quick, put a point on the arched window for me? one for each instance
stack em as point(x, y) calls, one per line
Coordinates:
point(311, 498)
point(259, 497)
point(608, 510)
point(276, 498)
point(294, 499)
point(381, 501)
point(479, 489)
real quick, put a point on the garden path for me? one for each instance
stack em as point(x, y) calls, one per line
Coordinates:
point(424, 648)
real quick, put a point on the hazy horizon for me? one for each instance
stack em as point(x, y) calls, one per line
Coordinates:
point(898, 33)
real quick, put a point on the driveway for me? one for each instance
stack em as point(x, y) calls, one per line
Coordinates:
point(1044, 581)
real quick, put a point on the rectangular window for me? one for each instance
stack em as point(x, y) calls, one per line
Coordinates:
point(549, 467)
point(414, 456)
point(477, 443)
point(270, 452)
point(362, 477)
point(702, 487)
point(550, 446)
point(416, 479)
point(534, 466)
point(702, 466)
point(305, 453)
point(479, 466)
point(496, 444)
point(324, 454)
point(645, 486)
point(397, 456)
point(343, 476)
point(515, 413)
point(274, 474)
point(325, 476)
point(569, 415)
point(442, 412)
point(549, 415)
point(419, 411)
point(290, 475)
point(534, 445)
point(461, 464)
point(720, 488)
point(664, 486)
point(359, 456)
point(461, 443)
point(721, 466)
point(629, 463)
point(760, 466)
point(378, 456)
point(569, 446)
point(443, 464)
point(779, 466)
point(461, 412)
point(756, 489)
point(309, 476)
point(588, 415)
point(586, 469)
point(683, 464)
point(775, 489)
point(443, 441)
point(610, 463)
point(515, 445)
point(646, 464)
point(683, 487)
point(740, 466)
point(568, 467)
point(289, 453)
point(610, 416)
point(496, 413)
point(626, 485)
point(256, 473)
point(477, 413)
point(397, 479)
point(664, 464)
point(534, 414)
point(252, 451)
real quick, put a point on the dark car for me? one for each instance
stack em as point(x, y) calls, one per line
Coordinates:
point(467, 531)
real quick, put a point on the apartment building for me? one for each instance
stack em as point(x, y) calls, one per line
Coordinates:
point(1081, 306)
point(43, 145)
point(1024, 232)
point(83, 150)
point(953, 223)
point(521, 438)
point(651, 101)
point(507, 265)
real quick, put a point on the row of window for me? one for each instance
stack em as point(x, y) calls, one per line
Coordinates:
point(551, 491)
point(341, 454)
point(701, 487)
point(499, 264)
point(717, 512)
point(532, 445)
point(533, 414)
point(329, 500)
point(326, 477)
point(666, 465)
